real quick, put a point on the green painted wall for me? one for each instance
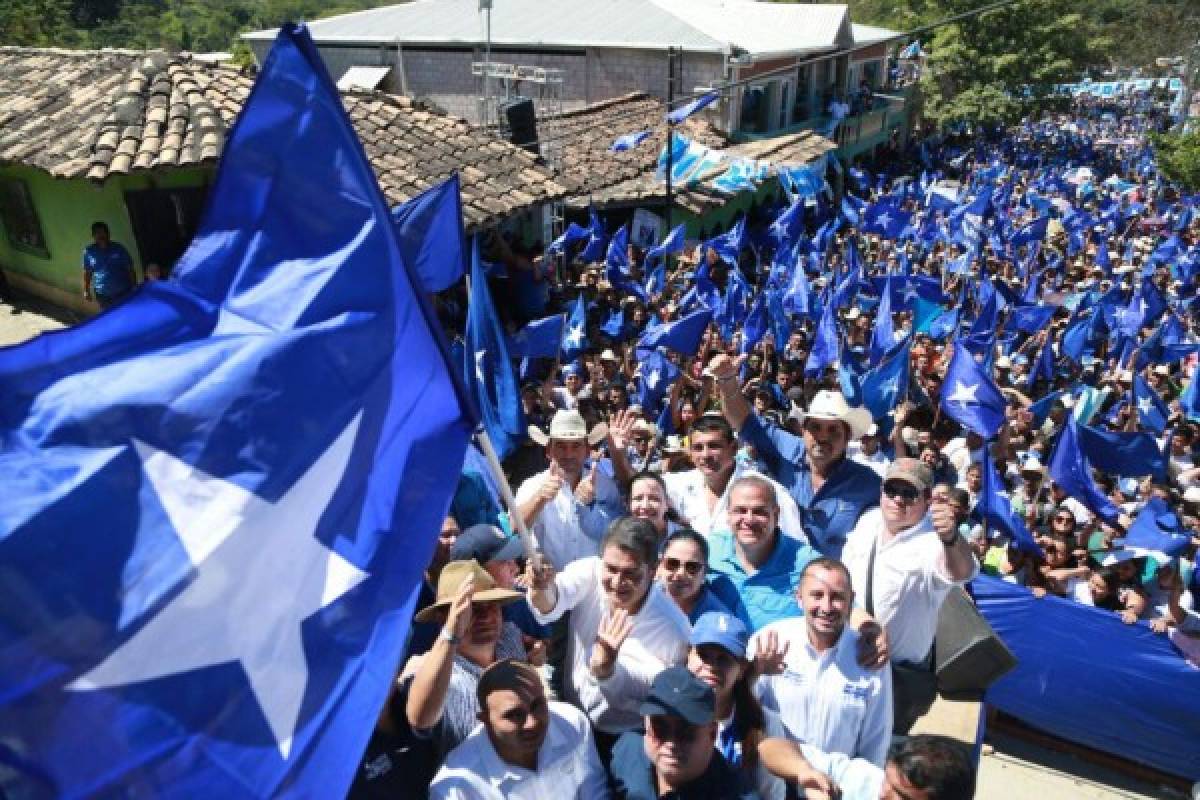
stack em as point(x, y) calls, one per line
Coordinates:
point(66, 210)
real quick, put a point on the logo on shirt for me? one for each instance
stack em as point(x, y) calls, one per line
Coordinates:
point(856, 691)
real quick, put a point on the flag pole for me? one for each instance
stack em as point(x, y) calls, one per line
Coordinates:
point(514, 513)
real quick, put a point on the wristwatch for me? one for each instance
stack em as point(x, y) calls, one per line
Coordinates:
point(448, 635)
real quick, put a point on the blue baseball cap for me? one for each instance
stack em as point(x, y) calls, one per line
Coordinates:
point(485, 543)
point(676, 692)
point(719, 628)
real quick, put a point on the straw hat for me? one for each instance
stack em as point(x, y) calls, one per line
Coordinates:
point(451, 579)
point(568, 426)
point(828, 404)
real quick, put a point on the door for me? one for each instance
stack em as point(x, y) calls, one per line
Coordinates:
point(164, 222)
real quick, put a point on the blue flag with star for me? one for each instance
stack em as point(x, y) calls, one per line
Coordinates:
point(221, 496)
point(1152, 412)
point(574, 339)
point(995, 509)
point(541, 338)
point(1069, 468)
point(970, 396)
point(683, 336)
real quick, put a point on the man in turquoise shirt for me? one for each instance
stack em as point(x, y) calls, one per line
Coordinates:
point(753, 568)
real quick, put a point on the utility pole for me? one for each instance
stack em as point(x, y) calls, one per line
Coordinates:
point(671, 59)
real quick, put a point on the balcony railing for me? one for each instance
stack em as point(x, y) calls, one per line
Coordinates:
point(855, 131)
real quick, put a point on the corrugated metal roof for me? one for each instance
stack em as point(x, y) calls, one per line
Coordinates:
point(362, 78)
point(578, 23)
point(765, 29)
point(713, 26)
point(870, 34)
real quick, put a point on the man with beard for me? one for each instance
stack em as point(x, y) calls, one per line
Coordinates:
point(815, 684)
point(612, 598)
point(525, 749)
point(830, 490)
point(701, 495)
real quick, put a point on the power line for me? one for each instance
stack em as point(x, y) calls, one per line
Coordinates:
point(791, 68)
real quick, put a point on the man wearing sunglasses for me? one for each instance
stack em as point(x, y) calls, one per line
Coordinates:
point(906, 556)
point(676, 757)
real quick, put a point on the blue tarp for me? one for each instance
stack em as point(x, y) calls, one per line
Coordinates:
point(1086, 677)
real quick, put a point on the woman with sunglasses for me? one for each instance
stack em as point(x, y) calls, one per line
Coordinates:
point(683, 570)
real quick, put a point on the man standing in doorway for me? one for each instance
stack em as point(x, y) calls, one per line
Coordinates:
point(108, 274)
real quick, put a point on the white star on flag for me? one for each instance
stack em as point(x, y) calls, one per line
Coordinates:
point(653, 378)
point(575, 336)
point(883, 220)
point(479, 373)
point(259, 573)
point(964, 394)
point(1145, 405)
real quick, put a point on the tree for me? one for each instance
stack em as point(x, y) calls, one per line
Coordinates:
point(1000, 65)
point(1179, 158)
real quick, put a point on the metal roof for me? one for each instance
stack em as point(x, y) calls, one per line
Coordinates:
point(870, 34)
point(362, 78)
point(711, 26)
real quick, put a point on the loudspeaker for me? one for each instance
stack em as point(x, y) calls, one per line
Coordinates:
point(521, 119)
point(968, 655)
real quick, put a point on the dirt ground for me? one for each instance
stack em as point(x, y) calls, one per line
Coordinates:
point(26, 318)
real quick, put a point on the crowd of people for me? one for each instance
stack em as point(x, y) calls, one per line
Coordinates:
point(744, 540)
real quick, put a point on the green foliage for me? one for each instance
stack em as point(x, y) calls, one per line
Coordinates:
point(196, 25)
point(1179, 158)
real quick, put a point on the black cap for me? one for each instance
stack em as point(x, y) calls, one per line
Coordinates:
point(678, 693)
point(485, 543)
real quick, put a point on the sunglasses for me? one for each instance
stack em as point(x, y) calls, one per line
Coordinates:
point(902, 491)
point(692, 568)
point(668, 729)
point(1064, 518)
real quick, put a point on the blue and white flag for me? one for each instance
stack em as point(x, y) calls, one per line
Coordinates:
point(670, 245)
point(683, 112)
point(1152, 412)
point(887, 384)
point(1156, 532)
point(574, 339)
point(630, 141)
point(1070, 469)
point(826, 345)
point(487, 369)
point(995, 509)
point(221, 496)
point(970, 396)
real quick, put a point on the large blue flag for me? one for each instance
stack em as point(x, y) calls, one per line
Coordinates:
point(883, 336)
point(435, 253)
point(826, 343)
point(487, 369)
point(995, 509)
point(541, 338)
point(1071, 470)
point(970, 396)
point(656, 373)
point(597, 240)
point(683, 336)
point(672, 244)
point(220, 497)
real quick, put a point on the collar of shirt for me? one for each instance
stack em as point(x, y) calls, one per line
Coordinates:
point(724, 557)
point(924, 525)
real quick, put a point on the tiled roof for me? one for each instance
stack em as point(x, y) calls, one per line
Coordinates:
point(95, 114)
point(578, 143)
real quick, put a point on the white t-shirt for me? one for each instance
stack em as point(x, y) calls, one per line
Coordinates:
point(911, 581)
point(687, 493)
point(659, 639)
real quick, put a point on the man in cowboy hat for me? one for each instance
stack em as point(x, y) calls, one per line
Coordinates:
point(569, 505)
point(830, 489)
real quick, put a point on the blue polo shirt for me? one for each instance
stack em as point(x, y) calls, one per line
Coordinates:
point(110, 268)
point(767, 595)
point(830, 514)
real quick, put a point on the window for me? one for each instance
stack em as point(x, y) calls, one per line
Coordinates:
point(20, 219)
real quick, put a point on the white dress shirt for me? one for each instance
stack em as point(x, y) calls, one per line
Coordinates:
point(568, 766)
point(659, 639)
point(687, 493)
point(566, 529)
point(826, 699)
point(911, 581)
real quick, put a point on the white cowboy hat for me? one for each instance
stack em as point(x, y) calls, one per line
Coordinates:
point(828, 404)
point(568, 426)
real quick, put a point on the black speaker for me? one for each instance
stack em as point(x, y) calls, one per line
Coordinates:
point(968, 655)
point(521, 119)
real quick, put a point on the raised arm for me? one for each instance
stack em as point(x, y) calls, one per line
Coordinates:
point(427, 696)
point(733, 403)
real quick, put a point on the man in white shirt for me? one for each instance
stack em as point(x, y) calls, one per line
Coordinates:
point(817, 687)
point(905, 559)
point(568, 508)
point(868, 451)
point(616, 590)
point(701, 495)
point(525, 749)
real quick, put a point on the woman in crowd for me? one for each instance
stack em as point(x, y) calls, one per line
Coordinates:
point(683, 572)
